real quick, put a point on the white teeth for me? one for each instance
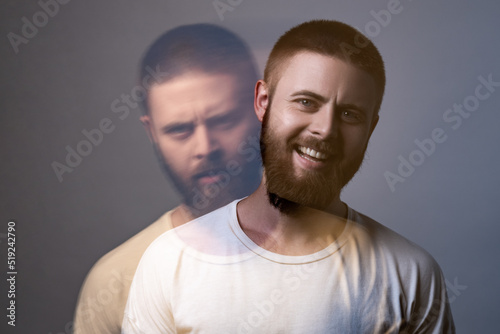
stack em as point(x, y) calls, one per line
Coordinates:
point(312, 153)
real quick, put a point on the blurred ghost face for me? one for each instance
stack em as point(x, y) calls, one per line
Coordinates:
point(198, 123)
point(315, 130)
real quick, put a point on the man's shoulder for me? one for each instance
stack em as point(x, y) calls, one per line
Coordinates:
point(211, 234)
point(122, 261)
point(411, 275)
point(393, 246)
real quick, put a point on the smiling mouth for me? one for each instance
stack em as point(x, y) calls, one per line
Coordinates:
point(311, 154)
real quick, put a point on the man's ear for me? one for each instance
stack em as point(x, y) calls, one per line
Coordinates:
point(148, 126)
point(261, 99)
point(374, 124)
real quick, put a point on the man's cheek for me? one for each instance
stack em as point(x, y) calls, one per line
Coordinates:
point(174, 161)
point(246, 127)
point(230, 143)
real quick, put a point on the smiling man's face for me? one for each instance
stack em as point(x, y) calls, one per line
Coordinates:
point(197, 122)
point(316, 130)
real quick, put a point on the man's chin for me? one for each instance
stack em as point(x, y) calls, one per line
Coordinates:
point(205, 199)
point(290, 204)
point(315, 190)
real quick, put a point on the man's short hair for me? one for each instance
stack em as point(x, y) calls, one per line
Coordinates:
point(329, 38)
point(201, 47)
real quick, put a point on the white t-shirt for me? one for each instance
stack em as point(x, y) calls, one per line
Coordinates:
point(208, 276)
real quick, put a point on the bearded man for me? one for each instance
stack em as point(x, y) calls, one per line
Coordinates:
point(198, 116)
point(292, 257)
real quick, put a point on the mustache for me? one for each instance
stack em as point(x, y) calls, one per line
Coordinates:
point(206, 168)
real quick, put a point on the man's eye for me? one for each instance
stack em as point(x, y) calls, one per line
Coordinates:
point(351, 116)
point(305, 102)
point(179, 130)
point(224, 122)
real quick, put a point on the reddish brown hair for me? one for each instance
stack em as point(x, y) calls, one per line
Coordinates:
point(330, 38)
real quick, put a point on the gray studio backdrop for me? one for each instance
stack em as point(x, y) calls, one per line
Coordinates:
point(431, 173)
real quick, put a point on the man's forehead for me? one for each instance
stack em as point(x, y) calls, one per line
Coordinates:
point(199, 93)
point(327, 76)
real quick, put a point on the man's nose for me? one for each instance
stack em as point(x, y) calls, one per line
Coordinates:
point(323, 123)
point(205, 143)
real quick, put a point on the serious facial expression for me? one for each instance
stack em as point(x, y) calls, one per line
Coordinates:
point(199, 123)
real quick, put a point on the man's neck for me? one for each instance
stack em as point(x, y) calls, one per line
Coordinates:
point(301, 232)
point(182, 215)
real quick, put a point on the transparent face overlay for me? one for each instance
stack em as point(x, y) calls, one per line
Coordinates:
point(201, 124)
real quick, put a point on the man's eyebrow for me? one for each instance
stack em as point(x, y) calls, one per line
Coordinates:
point(226, 113)
point(310, 94)
point(172, 125)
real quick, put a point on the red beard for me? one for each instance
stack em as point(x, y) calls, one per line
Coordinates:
point(313, 188)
